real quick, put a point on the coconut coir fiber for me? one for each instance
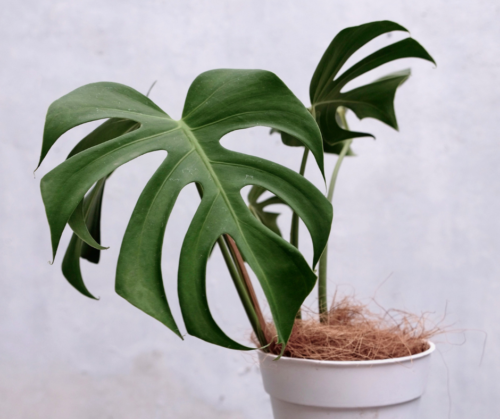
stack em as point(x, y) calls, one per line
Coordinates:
point(351, 332)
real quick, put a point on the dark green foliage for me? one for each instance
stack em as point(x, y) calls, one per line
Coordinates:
point(217, 103)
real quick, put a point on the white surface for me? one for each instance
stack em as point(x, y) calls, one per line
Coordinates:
point(283, 410)
point(421, 204)
point(306, 389)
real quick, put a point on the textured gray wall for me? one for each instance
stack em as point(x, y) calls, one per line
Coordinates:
point(421, 204)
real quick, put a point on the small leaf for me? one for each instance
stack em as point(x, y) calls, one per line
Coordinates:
point(343, 46)
point(374, 100)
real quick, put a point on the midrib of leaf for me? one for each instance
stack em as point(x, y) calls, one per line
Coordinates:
point(186, 129)
point(208, 164)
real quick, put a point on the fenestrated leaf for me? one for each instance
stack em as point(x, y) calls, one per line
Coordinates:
point(343, 46)
point(374, 100)
point(217, 103)
point(269, 219)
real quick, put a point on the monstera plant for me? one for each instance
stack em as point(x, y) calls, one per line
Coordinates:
point(328, 107)
point(218, 102)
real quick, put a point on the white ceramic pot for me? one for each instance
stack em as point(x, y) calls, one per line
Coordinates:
point(308, 389)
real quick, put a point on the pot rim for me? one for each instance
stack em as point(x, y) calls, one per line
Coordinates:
point(432, 348)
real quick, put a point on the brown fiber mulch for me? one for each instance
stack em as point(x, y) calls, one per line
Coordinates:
point(351, 332)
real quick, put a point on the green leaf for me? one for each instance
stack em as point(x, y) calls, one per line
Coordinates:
point(374, 100)
point(88, 227)
point(269, 219)
point(77, 249)
point(217, 103)
point(71, 262)
point(108, 130)
point(343, 46)
point(93, 222)
point(78, 224)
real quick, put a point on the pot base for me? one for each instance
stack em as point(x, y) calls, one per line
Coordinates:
point(286, 410)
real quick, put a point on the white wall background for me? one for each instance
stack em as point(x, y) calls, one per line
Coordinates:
point(421, 204)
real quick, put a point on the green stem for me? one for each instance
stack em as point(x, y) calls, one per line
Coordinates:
point(240, 286)
point(294, 229)
point(323, 267)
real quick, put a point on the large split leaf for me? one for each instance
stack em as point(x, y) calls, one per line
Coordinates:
point(217, 103)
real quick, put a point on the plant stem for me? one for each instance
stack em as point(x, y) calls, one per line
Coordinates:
point(294, 229)
point(242, 290)
point(236, 268)
point(323, 266)
point(240, 263)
